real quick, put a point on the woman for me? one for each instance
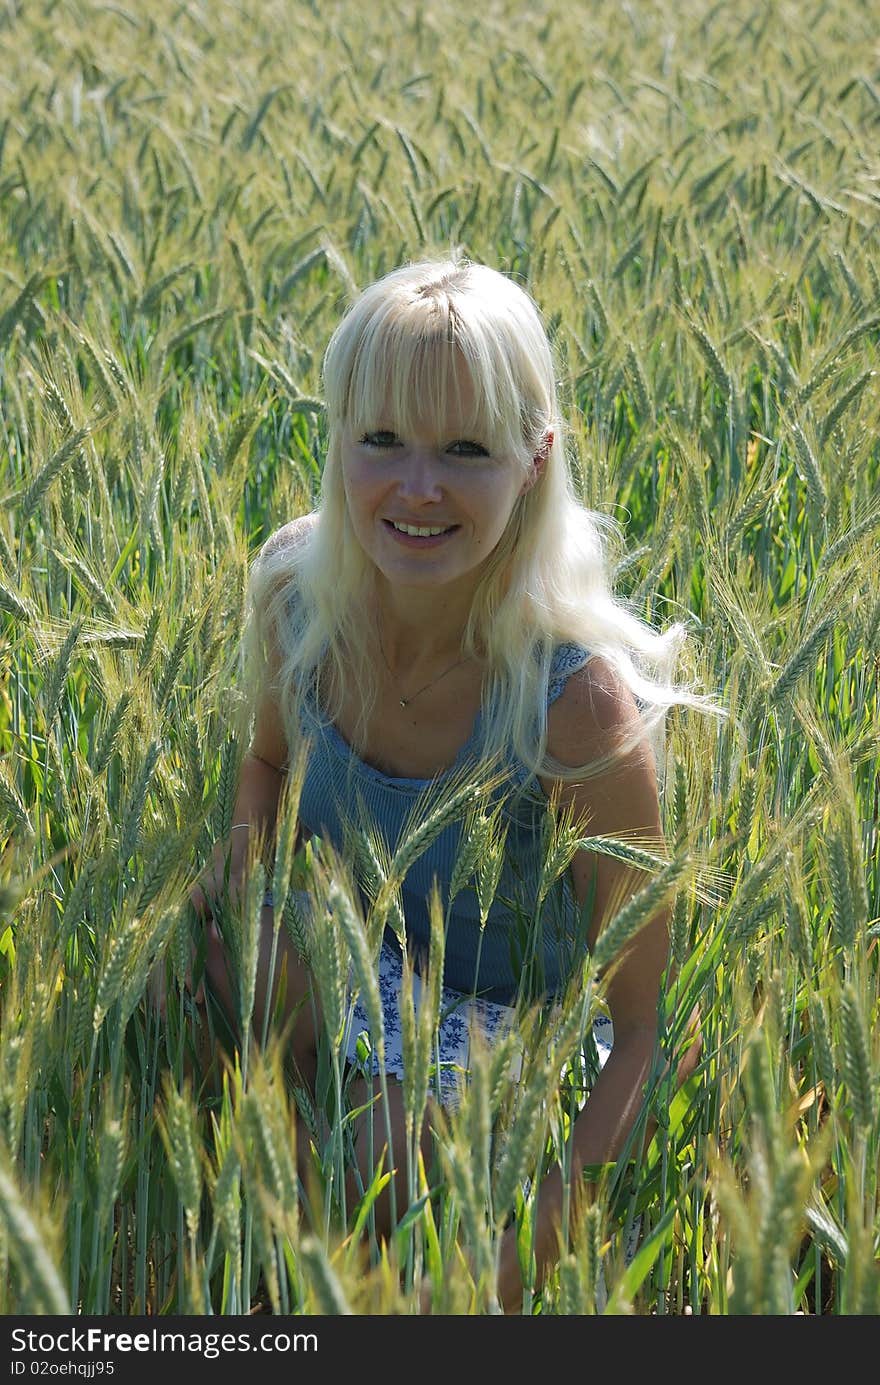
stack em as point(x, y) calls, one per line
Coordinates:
point(447, 607)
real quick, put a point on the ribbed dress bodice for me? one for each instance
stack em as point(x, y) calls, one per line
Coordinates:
point(519, 942)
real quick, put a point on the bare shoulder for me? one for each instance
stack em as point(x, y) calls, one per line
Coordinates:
point(594, 710)
point(595, 716)
point(290, 535)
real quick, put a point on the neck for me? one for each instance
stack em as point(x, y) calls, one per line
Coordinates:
point(420, 629)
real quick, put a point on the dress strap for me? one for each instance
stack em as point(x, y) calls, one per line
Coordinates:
point(567, 658)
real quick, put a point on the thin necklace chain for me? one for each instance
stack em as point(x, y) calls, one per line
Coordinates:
point(405, 701)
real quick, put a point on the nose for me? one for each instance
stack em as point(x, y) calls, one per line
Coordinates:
point(419, 477)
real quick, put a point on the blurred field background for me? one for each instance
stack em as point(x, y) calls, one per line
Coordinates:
point(190, 193)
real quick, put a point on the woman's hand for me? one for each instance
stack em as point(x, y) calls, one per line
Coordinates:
point(209, 889)
point(212, 884)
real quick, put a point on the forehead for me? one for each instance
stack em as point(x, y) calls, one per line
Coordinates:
point(424, 402)
point(427, 387)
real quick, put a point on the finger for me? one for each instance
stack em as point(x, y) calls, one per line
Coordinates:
point(156, 988)
point(214, 945)
point(199, 901)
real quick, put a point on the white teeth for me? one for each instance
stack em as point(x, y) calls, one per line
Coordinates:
point(419, 533)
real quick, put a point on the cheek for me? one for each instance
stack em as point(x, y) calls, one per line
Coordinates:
point(504, 503)
point(359, 485)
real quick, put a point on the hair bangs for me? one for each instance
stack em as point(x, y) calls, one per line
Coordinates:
point(421, 369)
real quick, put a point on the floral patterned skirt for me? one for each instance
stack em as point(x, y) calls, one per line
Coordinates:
point(459, 1016)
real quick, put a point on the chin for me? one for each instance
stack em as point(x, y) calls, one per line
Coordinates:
point(416, 580)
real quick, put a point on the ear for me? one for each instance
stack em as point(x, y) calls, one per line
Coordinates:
point(538, 461)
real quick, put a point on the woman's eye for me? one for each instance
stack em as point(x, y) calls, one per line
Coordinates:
point(465, 448)
point(383, 438)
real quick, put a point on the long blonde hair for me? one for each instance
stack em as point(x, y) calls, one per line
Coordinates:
point(312, 595)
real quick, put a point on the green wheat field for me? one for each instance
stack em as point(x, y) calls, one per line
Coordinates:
point(190, 194)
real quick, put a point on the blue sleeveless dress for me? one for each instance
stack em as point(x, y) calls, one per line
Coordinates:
point(523, 950)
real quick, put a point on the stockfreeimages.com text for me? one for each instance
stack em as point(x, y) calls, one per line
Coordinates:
point(208, 1344)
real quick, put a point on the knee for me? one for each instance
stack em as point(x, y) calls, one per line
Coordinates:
point(693, 1047)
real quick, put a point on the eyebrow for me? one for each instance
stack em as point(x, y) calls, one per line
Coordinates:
point(466, 435)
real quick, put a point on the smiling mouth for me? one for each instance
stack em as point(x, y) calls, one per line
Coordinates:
point(434, 531)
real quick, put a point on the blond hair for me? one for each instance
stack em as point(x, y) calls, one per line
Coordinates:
point(312, 595)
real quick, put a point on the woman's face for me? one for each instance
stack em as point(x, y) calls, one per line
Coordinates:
point(431, 478)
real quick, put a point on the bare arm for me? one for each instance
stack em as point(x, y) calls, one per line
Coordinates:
point(262, 773)
point(594, 708)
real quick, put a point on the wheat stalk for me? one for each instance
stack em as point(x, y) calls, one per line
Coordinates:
point(175, 660)
point(329, 1294)
point(131, 824)
point(640, 909)
point(800, 661)
point(56, 678)
point(110, 738)
point(26, 1244)
point(340, 903)
point(49, 471)
point(110, 1157)
point(844, 921)
point(16, 604)
point(119, 953)
point(148, 642)
point(176, 1120)
point(858, 1070)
